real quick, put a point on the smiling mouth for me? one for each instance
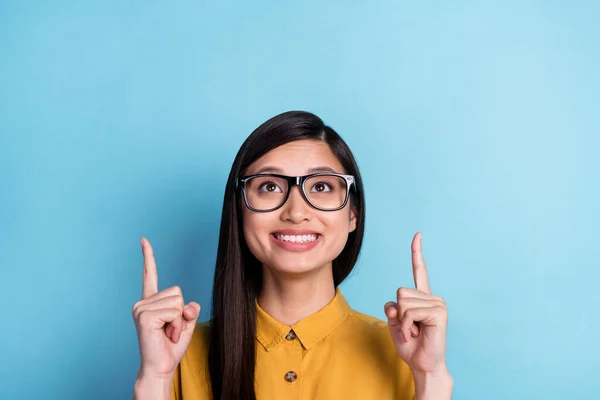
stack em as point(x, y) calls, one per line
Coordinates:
point(300, 239)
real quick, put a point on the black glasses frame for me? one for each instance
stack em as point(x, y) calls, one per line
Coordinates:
point(240, 182)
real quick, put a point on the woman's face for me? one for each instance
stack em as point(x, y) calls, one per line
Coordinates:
point(332, 227)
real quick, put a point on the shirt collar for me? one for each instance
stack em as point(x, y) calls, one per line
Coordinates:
point(310, 330)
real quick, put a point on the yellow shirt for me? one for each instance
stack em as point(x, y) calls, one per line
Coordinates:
point(335, 353)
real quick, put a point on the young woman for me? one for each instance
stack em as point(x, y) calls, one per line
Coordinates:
point(291, 231)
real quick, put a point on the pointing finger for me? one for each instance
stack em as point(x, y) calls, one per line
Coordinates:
point(419, 268)
point(150, 275)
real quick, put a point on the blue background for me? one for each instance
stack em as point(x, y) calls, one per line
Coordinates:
point(473, 122)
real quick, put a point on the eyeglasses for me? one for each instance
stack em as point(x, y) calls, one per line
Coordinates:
point(323, 191)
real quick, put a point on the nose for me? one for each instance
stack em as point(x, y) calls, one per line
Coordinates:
point(296, 209)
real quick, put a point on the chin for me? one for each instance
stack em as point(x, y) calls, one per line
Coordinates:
point(293, 267)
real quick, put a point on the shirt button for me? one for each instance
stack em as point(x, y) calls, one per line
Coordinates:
point(291, 376)
point(291, 335)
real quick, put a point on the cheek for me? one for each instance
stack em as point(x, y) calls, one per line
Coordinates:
point(337, 227)
point(255, 234)
point(249, 226)
point(337, 222)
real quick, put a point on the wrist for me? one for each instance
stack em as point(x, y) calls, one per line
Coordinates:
point(152, 387)
point(439, 374)
point(433, 385)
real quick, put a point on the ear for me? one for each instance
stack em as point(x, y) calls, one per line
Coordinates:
point(352, 220)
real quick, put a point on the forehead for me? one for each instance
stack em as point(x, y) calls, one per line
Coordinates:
point(297, 158)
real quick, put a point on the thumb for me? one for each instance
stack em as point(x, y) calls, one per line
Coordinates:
point(191, 312)
point(391, 312)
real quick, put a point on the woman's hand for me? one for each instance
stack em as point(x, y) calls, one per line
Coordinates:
point(164, 326)
point(418, 321)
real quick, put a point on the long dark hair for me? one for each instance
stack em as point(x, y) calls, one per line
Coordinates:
point(238, 274)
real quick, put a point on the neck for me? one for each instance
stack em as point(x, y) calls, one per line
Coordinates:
point(289, 299)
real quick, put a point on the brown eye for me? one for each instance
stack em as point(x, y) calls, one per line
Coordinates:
point(270, 187)
point(322, 187)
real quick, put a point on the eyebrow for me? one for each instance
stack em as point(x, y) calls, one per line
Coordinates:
point(269, 168)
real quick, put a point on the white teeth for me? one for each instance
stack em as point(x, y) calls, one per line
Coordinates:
point(296, 238)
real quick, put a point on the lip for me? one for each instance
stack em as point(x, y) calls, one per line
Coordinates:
point(295, 232)
point(293, 246)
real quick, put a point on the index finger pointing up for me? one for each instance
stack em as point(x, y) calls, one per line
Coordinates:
point(419, 268)
point(150, 275)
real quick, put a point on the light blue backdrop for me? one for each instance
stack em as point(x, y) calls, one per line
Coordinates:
point(475, 123)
